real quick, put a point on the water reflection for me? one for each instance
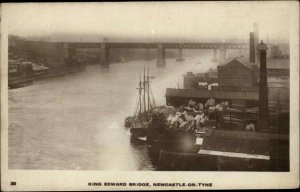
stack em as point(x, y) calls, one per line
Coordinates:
point(139, 148)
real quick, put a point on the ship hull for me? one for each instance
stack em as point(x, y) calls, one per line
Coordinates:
point(138, 132)
point(174, 161)
point(171, 160)
point(219, 151)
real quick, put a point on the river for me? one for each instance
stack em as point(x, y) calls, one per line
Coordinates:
point(76, 122)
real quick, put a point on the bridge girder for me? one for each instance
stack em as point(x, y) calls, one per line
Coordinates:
point(165, 45)
point(106, 46)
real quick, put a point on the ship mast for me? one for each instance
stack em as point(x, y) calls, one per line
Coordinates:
point(140, 94)
point(144, 83)
point(148, 87)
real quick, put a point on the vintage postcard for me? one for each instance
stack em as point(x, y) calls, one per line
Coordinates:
point(149, 96)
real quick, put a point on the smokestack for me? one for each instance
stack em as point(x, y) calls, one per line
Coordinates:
point(256, 35)
point(263, 122)
point(252, 48)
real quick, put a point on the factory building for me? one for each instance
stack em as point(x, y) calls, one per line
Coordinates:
point(237, 73)
point(236, 81)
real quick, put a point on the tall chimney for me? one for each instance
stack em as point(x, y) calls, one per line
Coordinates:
point(252, 48)
point(256, 35)
point(263, 122)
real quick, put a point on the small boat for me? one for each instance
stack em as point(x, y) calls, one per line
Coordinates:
point(139, 122)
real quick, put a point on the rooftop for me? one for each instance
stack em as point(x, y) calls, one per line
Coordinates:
point(244, 61)
point(204, 93)
point(272, 63)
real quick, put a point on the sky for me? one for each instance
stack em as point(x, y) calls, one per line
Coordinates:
point(193, 20)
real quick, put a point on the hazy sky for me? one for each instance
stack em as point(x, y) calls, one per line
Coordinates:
point(197, 20)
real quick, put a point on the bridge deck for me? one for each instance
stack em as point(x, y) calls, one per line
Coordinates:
point(164, 45)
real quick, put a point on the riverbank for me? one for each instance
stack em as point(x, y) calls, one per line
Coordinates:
point(26, 80)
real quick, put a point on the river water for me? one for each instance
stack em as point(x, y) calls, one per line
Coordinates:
point(76, 122)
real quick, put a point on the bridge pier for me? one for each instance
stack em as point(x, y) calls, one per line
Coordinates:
point(222, 57)
point(161, 55)
point(180, 57)
point(215, 56)
point(72, 53)
point(104, 55)
point(68, 54)
point(64, 53)
point(147, 55)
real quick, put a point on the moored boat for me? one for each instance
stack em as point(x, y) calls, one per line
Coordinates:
point(139, 122)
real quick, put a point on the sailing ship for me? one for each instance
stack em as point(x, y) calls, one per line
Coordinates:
point(139, 122)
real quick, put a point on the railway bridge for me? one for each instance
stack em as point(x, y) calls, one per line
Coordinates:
point(70, 49)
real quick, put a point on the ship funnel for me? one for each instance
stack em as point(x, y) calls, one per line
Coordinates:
point(263, 122)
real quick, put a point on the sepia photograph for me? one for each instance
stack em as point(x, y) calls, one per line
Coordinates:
point(149, 91)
